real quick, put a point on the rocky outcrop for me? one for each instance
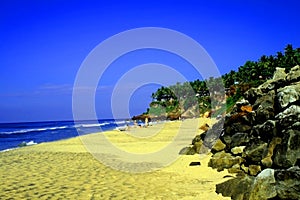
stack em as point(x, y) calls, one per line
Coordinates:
point(262, 141)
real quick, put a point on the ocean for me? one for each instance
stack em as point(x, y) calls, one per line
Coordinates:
point(13, 135)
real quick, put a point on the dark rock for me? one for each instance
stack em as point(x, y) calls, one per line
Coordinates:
point(197, 143)
point(197, 138)
point(22, 144)
point(218, 146)
point(222, 160)
point(228, 176)
point(267, 161)
point(288, 183)
point(237, 188)
point(296, 126)
point(174, 116)
point(236, 128)
point(197, 146)
point(250, 118)
point(253, 94)
point(288, 152)
point(141, 117)
point(255, 152)
point(187, 151)
point(264, 186)
point(264, 107)
point(245, 118)
point(254, 169)
point(239, 139)
point(264, 113)
point(235, 169)
point(276, 82)
point(268, 184)
point(195, 164)
point(243, 106)
point(213, 134)
point(266, 130)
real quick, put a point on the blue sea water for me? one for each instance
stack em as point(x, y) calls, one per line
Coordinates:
point(13, 134)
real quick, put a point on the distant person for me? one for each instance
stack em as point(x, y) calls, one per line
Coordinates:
point(127, 127)
point(135, 124)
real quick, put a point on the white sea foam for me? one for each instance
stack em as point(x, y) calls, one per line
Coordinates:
point(58, 127)
point(30, 143)
point(8, 149)
point(34, 130)
point(91, 125)
point(120, 122)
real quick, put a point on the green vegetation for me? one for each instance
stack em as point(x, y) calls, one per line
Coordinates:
point(264, 68)
point(197, 95)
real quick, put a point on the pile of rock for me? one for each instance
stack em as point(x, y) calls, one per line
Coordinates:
point(261, 141)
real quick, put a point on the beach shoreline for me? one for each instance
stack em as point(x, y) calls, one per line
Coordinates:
point(65, 169)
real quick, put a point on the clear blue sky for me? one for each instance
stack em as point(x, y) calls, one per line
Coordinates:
point(43, 44)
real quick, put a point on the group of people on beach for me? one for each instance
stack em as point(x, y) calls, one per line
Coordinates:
point(135, 125)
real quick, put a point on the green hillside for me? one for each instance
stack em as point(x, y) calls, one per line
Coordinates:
point(195, 97)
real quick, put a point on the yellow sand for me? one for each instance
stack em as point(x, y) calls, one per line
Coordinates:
point(66, 170)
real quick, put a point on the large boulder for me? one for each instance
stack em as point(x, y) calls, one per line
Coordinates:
point(253, 94)
point(218, 146)
point(287, 153)
point(267, 160)
point(294, 74)
point(268, 184)
point(264, 107)
point(187, 151)
point(288, 117)
point(237, 188)
point(265, 131)
point(288, 95)
point(211, 136)
point(239, 139)
point(279, 74)
point(223, 160)
point(255, 152)
point(264, 186)
point(288, 183)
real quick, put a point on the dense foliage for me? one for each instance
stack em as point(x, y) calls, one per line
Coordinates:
point(264, 68)
point(197, 94)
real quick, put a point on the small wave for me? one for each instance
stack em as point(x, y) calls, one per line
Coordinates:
point(30, 143)
point(58, 127)
point(4, 150)
point(33, 130)
point(91, 125)
point(120, 122)
point(23, 144)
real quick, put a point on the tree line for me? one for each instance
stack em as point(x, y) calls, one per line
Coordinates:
point(180, 97)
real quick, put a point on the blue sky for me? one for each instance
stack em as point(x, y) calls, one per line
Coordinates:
point(43, 44)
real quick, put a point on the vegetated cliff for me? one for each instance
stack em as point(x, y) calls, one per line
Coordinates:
point(260, 141)
point(179, 100)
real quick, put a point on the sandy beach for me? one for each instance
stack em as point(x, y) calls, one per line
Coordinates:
point(67, 170)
